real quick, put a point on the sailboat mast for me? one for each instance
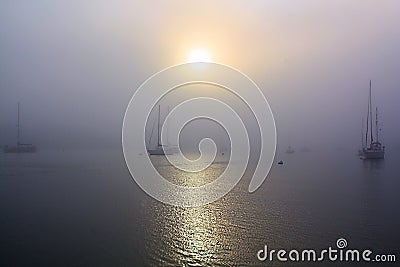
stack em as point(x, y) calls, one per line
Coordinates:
point(366, 132)
point(168, 127)
point(158, 135)
point(376, 124)
point(370, 110)
point(18, 142)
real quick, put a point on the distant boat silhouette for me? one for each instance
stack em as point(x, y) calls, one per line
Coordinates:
point(20, 147)
point(375, 150)
point(280, 162)
point(160, 150)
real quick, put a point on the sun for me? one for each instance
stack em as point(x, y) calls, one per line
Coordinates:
point(199, 55)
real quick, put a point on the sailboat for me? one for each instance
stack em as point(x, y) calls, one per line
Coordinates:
point(160, 149)
point(20, 147)
point(375, 150)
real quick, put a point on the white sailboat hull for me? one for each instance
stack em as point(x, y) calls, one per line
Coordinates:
point(158, 151)
point(20, 149)
point(373, 154)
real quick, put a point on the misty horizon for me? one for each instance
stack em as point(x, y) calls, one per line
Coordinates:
point(74, 66)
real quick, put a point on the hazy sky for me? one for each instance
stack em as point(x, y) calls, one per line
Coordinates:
point(74, 65)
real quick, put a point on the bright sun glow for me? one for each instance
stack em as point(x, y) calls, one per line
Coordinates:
point(199, 56)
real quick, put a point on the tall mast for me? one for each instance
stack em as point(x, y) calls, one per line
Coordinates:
point(18, 127)
point(167, 128)
point(366, 132)
point(158, 135)
point(376, 124)
point(370, 110)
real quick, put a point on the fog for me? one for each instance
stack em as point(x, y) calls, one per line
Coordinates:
point(74, 65)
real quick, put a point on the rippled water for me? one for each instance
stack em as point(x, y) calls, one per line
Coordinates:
point(82, 209)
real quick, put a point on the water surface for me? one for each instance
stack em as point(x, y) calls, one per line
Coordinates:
point(81, 208)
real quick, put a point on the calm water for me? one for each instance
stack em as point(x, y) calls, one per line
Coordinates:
point(82, 208)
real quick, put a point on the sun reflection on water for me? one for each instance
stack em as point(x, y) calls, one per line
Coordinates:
point(227, 232)
point(197, 236)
